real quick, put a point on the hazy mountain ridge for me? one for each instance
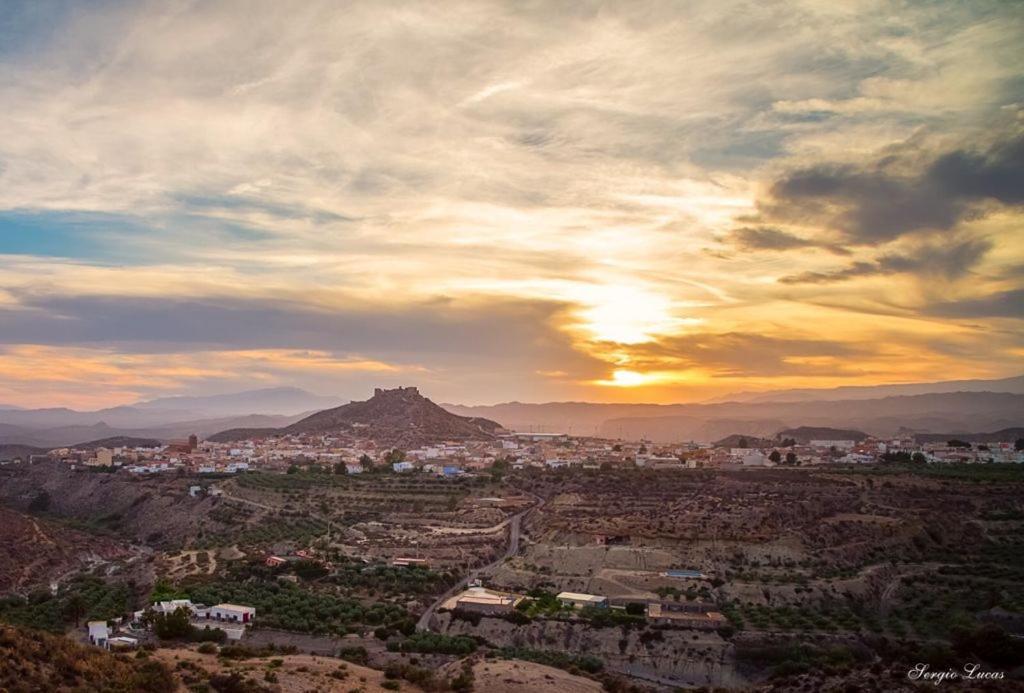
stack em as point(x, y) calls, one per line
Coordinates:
point(1014, 385)
point(805, 434)
point(163, 419)
point(276, 400)
point(1006, 434)
point(965, 411)
point(170, 410)
point(61, 436)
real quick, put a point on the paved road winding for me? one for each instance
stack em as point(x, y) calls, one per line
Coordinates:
point(514, 524)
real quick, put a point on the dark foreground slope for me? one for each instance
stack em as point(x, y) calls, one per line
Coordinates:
point(34, 661)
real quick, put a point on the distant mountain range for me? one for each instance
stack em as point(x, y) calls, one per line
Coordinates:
point(165, 418)
point(60, 436)
point(926, 413)
point(275, 400)
point(967, 406)
point(1013, 385)
point(1007, 434)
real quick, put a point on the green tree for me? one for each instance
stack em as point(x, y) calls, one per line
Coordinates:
point(775, 456)
point(75, 608)
point(172, 626)
point(791, 458)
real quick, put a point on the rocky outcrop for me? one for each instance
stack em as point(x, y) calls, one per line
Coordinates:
point(669, 657)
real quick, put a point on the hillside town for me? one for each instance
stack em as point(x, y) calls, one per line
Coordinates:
point(345, 454)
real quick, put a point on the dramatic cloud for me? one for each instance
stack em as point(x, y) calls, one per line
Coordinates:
point(590, 200)
point(737, 355)
point(767, 238)
point(884, 200)
point(949, 261)
point(1004, 304)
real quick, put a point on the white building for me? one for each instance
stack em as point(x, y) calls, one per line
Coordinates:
point(580, 599)
point(837, 444)
point(232, 612)
point(99, 634)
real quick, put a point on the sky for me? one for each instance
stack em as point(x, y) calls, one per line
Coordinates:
point(532, 201)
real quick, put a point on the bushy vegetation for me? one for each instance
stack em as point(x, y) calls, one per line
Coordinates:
point(177, 625)
point(788, 658)
point(163, 590)
point(561, 660)
point(291, 607)
point(240, 651)
point(942, 470)
point(435, 643)
point(83, 598)
point(421, 677)
point(35, 661)
point(932, 605)
point(299, 529)
point(611, 618)
point(543, 604)
point(388, 579)
point(990, 643)
point(835, 618)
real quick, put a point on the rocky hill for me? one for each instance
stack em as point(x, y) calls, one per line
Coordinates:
point(400, 417)
point(742, 440)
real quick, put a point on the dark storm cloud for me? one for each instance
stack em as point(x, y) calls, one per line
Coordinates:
point(886, 199)
point(1003, 304)
point(949, 261)
point(439, 332)
point(770, 238)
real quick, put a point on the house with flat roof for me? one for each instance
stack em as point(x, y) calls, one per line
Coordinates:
point(99, 634)
point(668, 614)
point(232, 612)
point(579, 599)
point(483, 601)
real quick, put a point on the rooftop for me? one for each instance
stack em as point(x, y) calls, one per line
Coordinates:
point(580, 597)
